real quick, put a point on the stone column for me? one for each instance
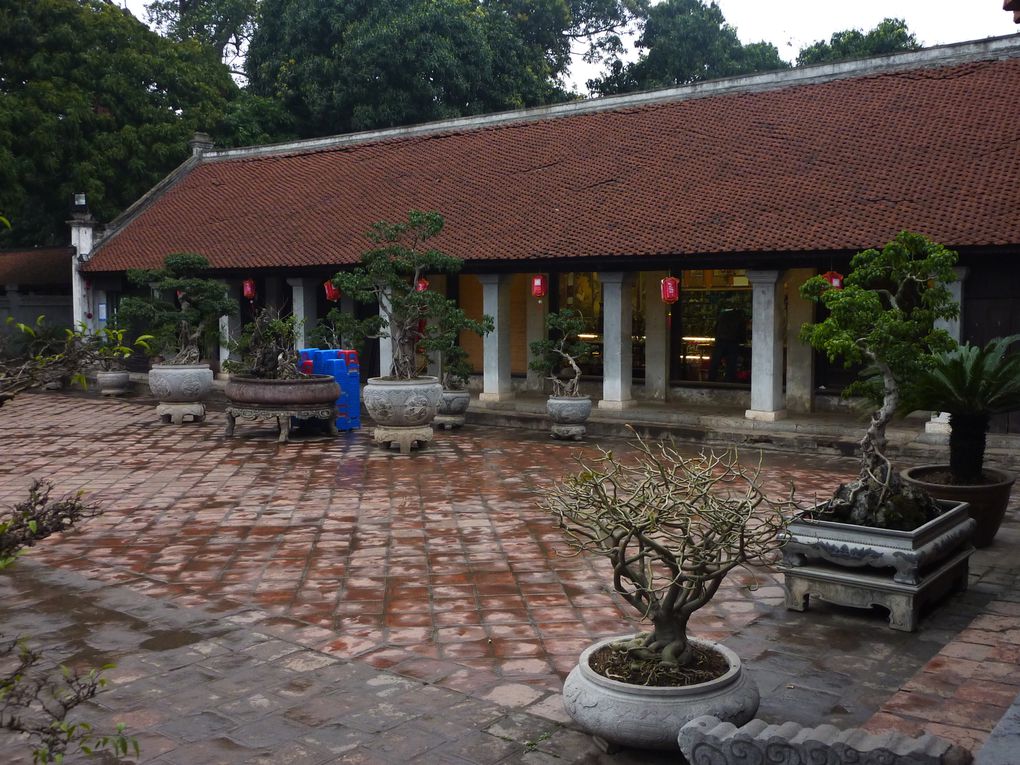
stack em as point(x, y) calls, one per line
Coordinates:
point(303, 302)
point(538, 309)
point(800, 357)
point(82, 228)
point(939, 422)
point(617, 346)
point(656, 339)
point(496, 383)
point(230, 325)
point(766, 347)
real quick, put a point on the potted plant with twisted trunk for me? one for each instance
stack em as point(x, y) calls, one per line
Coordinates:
point(558, 356)
point(392, 275)
point(266, 382)
point(971, 384)
point(183, 311)
point(885, 317)
point(672, 528)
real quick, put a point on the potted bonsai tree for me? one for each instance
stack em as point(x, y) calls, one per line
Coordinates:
point(183, 312)
point(266, 383)
point(883, 317)
point(403, 401)
point(455, 372)
point(971, 384)
point(110, 354)
point(672, 528)
point(558, 357)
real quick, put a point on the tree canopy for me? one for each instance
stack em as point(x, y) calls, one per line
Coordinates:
point(91, 100)
point(889, 36)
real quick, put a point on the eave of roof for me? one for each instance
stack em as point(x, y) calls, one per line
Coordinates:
point(826, 158)
point(39, 267)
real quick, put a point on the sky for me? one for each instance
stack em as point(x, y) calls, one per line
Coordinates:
point(792, 24)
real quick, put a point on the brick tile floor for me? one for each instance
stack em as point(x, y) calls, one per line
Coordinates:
point(443, 569)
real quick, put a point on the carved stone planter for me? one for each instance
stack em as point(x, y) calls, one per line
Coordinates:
point(650, 717)
point(986, 503)
point(113, 383)
point(860, 566)
point(568, 415)
point(452, 406)
point(180, 389)
point(303, 398)
point(403, 410)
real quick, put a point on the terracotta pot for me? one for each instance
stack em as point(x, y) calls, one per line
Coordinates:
point(987, 502)
point(651, 717)
point(301, 392)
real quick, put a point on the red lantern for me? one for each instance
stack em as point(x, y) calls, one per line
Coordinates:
point(538, 286)
point(248, 289)
point(332, 291)
point(422, 285)
point(670, 289)
point(835, 278)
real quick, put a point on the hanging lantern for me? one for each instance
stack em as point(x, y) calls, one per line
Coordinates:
point(670, 289)
point(332, 291)
point(422, 285)
point(248, 289)
point(539, 286)
point(834, 278)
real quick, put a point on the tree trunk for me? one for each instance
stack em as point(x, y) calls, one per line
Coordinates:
point(873, 445)
point(967, 434)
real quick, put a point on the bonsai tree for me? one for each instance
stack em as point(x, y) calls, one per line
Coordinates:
point(558, 356)
point(971, 384)
point(392, 274)
point(884, 317)
point(672, 527)
point(267, 346)
point(453, 360)
point(184, 310)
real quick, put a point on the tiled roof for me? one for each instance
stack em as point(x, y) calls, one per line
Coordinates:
point(41, 267)
point(831, 166)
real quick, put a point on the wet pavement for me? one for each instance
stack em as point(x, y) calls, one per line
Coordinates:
point(328, 601)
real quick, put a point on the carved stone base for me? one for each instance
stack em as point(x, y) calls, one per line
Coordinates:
point(405, 437)
point(282, 417)
point(448, 421)
point(568, 432)
point(846, 587)
point(176, 412)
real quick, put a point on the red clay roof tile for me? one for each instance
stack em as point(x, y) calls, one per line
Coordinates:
point(41, 267)
point(838, 165)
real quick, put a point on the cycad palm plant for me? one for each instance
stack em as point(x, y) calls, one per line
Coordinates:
point(971, 383)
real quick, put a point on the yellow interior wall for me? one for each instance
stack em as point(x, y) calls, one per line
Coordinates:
point(470, 300)
point(520, 287)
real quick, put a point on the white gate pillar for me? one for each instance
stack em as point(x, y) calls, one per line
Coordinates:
point(496, 382)
point(617, 344)
point(767, 402)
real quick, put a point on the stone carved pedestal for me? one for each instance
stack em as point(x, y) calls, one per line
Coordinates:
point(404, 437)
point(282, 417)
point(176, 412)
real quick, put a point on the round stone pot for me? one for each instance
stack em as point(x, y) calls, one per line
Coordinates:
point(113, 383)
point(568, 415)
point(300, 393)
point(402, 403)
point(452, 406)
point(987, 502)
point(180, 383)
point(651, 717)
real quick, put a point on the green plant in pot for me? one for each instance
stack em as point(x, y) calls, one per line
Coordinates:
point(455, 371)
point(413, 318)
point(183, 313)
point(970, 383)
point(111, 353)
point(266, 383)
point(672, 527)
point(885, 318)
point(558, 356)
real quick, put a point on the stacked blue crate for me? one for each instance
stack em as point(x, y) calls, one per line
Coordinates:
point(343, 366)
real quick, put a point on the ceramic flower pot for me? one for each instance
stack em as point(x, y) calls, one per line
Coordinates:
point(113, 383)
point(180, 383)
point(402, 403)
point(986, 502)
point(568, 415)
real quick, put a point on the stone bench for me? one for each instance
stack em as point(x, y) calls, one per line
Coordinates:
point(707, 741)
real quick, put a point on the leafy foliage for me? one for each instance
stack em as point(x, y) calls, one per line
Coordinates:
point(889, 36)
point(416, 320)
point(92, 101)
point(971, 383)
point(222, 26)
point(184, 311)
point(672, 527)
point(267, 346)
point(884, 316)
point(561, 349)
point(31, 356)
point(112, 349)
point(685, 41)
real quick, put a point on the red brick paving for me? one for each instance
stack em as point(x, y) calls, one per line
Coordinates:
point(440, 566)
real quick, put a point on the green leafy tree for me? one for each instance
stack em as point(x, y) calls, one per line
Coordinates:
point(559, 354)
point(890, 36)
point(884, 317)
point(91, 100)
point(685, 41)
point(417, 321)
point(224, 27)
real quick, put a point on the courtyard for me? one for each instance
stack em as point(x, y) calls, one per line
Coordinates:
point(327, 601)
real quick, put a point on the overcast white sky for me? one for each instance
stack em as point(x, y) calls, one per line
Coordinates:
point(792, 24)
